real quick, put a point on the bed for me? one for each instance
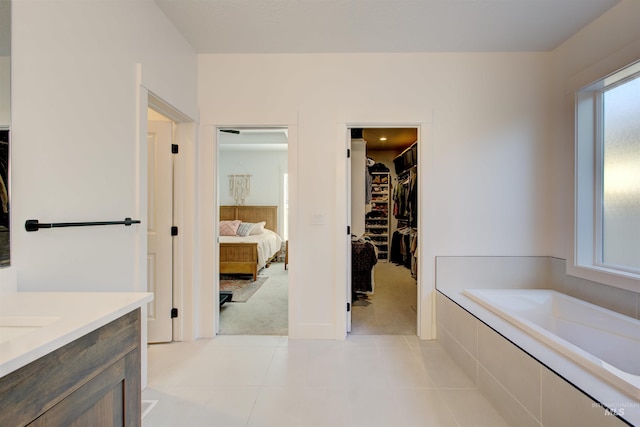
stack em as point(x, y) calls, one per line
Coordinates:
point(247, 255)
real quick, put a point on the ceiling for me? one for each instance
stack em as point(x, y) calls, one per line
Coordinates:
point(334, 26)
point(397, 139)
point(250, 139)
point(367, 26)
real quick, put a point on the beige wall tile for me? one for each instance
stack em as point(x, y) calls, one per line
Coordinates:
point(462, 326)
point(517, 371)
point(460, 356)
point(511, 410)
point(441, 307)
point(564, 405)
point(443, 371)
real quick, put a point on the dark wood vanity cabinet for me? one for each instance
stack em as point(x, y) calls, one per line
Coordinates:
point(92, 381)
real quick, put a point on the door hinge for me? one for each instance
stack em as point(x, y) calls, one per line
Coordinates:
point(349, 230)
point(174, 231)
point(348, 153)
point(174, 148)
point(174, 313)
point(348, 306)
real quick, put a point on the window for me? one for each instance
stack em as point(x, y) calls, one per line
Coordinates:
point(621, 176)
point(607, 210)
point(285, 227)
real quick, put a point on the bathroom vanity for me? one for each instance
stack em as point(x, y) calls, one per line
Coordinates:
point(71, 359)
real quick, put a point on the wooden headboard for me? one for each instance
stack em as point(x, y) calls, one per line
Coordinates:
point(269, 214)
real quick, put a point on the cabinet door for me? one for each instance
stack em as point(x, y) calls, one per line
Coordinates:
point(108, 400)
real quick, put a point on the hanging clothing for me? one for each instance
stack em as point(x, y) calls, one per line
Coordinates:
point(363, 258)
point(368, 187)
point(379, 167)
point(405, 198)
point(412, 200)
point(400, 194)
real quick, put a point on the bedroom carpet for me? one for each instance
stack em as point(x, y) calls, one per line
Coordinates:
point(265, 313)
point(242, 289)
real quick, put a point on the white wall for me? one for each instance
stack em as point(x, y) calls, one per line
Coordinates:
point(358, 185)
point(75, 135)
point(485, 142)
point(5, 90)
point(610, 42)
point(266, 168)
point(496, 160)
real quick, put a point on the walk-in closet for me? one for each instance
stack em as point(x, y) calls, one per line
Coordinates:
point(384, 224)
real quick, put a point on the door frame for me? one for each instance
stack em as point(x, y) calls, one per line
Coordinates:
point(425, 322)
point(218, 189)
point(183, 210)
point(209, 208)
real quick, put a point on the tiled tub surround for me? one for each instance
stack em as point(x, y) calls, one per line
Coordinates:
point(528, 382)
point(601, 340)
point(455, 274)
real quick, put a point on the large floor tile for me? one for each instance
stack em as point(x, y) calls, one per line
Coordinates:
point(420, 407)
point(239, 366)
point(289, 366)
point(373, 407)
point(368, 381)
point(471, 409)
point(443, 371)
point(403, 368)
point(300, 406)
point(201, 406)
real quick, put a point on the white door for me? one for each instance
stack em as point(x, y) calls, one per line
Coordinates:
point(159, 222)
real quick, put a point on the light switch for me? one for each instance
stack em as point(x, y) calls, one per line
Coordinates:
point(317, 219)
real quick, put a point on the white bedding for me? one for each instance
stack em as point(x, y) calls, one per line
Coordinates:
point(268, 242)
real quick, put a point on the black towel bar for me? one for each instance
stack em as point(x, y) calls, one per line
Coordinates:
point(35, 225)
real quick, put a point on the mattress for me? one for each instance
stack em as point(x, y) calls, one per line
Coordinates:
point(268, 242)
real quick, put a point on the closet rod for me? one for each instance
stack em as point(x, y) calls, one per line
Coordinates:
point(35, 225)
point(406, 172)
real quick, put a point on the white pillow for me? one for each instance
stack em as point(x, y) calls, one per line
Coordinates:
point(258, 228)
point(245, 229)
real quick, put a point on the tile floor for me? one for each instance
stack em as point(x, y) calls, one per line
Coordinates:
point(366, 380)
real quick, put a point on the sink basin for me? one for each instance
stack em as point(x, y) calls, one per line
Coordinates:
point(12, 327)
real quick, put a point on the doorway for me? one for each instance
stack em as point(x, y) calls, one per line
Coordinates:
point(252, 177)
point(160, 209)
point(384, 229)
point(172, 308)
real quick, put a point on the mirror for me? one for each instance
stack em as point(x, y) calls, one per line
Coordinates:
point(5, 124)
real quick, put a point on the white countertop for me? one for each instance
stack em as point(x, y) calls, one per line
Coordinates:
point(65, 317)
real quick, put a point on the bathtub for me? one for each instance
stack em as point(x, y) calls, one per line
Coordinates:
point(602, 341)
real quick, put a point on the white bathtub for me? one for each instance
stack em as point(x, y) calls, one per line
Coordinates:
point(603, 341)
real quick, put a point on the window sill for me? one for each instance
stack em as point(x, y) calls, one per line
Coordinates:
point(616, 278)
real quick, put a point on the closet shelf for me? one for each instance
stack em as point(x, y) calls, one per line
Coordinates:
point(377, 226)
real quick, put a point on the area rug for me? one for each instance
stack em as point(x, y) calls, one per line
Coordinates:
point(242, 289)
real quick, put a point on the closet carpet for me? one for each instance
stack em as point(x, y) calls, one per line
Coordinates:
point(391, 310)
point(265, 313)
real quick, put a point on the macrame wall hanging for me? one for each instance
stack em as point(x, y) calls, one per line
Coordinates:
point(239, 188)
